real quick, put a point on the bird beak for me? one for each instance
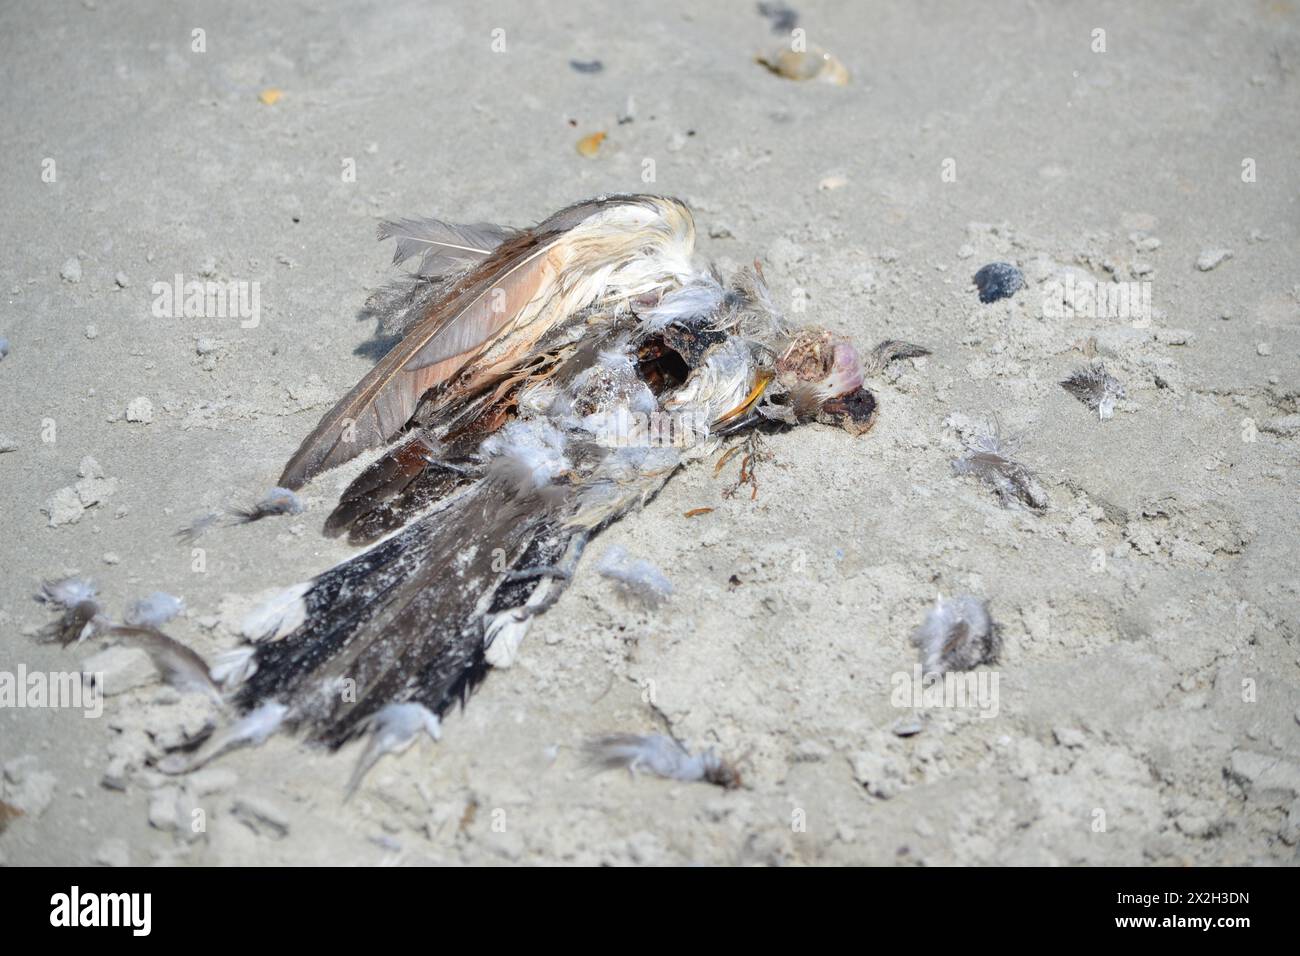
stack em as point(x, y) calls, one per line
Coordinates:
point(764, 379)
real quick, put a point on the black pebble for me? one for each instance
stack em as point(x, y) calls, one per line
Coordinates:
point(998, 280)
point(782, 18)
point(587, 66)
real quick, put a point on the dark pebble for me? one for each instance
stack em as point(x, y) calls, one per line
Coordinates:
point(781, 17)
point(998, 280)
point(587, 66)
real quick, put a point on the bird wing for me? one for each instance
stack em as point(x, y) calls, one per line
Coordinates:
point(480, 307)
point(501, 307)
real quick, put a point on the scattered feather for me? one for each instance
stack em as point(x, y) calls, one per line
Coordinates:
point(661, 756)
point(180, 666)
point(68, 592)
point(392, 730)
point(198, 527)
point(891, 350)
point(958, 635)
point(253, 728)
point(989, 458)
point(635, 577)
point(1096, 388)
point(154, 611)
point(82, 612)
point(277, 501)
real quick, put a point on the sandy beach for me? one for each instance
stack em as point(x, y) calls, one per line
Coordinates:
point(1145, 706)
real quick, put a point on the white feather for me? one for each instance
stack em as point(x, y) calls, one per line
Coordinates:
point(702, 296)
point(155, 610)
point(527, 453)
point(231, 668)
point(635, 576)
point(392, 730)
point(69, 592)
point(253, 728)
point(278, 616)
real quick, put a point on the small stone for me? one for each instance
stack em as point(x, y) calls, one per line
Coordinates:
point(1263, 348)
point(811, 751)
point(998, 280)
point(1290, 832)
point(122, 280)
point(115, 774)
point(139, 410)
point(720, 231)
point(63, 507)
point(7, 444)
point(1194, 825)
point(210, 780)
point(93, 486)
point(29, 789)
point(908, 726)
point(833, 182)
point(1211, 258)
point(261, 816)
point(1174, 336)
point(205, 346)
point(113, 852)
point(92, 331)
point(878, 773)
point(965, 251)
point(1263, 776)
point(1070, 737)
point(112, 557)
point(71, 271)
point(162, 808)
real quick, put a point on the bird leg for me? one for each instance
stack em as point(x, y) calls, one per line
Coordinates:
point(561, 570)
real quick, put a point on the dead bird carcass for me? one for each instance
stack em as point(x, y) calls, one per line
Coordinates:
point(524, 410)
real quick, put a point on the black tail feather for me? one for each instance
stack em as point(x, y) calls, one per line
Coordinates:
point(406, 620)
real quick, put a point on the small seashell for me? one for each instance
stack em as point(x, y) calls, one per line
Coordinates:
point(589, 145)
point(908, 726)
point(811, 64)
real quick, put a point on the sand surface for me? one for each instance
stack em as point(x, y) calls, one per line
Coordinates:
point(1149, 680)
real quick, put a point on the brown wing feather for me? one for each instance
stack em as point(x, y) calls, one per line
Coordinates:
point(436, 348)
point(479, 312)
